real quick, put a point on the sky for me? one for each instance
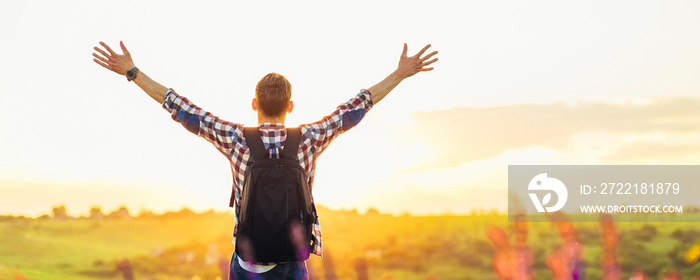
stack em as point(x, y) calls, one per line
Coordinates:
point(536, 82)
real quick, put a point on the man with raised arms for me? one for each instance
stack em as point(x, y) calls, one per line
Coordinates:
point(272, 102)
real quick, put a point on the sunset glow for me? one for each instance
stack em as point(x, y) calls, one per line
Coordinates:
point(550, 82)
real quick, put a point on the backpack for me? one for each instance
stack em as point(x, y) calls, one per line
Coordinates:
point(277, 210)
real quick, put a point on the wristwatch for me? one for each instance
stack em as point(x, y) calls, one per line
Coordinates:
point(131, 74)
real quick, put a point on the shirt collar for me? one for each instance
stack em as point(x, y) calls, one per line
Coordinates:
point(270, 125)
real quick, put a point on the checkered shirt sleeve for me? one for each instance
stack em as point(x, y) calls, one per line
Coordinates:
point(223, 134)
point(226, 136)
point(318, 135)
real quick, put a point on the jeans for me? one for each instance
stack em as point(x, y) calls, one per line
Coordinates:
point(283, 271)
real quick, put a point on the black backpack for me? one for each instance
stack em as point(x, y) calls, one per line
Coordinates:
point(277, 210)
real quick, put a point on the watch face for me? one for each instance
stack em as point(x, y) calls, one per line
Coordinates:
point(131, 74)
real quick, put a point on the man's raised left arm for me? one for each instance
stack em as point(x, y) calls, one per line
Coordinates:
point(408, 66)
point(121, 63)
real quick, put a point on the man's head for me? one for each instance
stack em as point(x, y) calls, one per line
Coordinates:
point(272, 96)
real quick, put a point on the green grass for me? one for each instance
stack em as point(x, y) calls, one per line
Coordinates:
point(444, 247)
point(61, 249)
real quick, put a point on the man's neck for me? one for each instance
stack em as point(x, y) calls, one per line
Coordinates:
point(267, 119)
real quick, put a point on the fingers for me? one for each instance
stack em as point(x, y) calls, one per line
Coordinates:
point(107, 48)
point(428, 56)
point(101, 52)
point(423, 50)
point(124, 50)
point(97, 56)
point(429, 62)
point(414, 64)
point(101, 63)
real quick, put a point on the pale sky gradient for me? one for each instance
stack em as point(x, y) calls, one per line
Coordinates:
point(537, 82)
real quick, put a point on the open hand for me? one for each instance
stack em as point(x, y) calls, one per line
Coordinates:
point(409, 66)
point(119, 63)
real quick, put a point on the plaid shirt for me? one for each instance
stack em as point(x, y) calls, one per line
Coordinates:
point(228, 138)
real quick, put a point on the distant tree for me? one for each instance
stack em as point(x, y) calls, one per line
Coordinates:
point(121, 213)
point(146, 214)
point(372, 211)
point(686, 237)
point(186, 212)
point(646, 233)
point(96, 212)
point(59, 212)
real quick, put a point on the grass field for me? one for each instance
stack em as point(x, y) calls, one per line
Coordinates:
point(174, 246)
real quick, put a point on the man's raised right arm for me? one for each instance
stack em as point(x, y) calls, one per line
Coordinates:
point(121, 63)
point(219, 132)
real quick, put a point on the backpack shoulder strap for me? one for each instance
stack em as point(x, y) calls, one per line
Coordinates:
point(291, 144)
point(252, 137)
